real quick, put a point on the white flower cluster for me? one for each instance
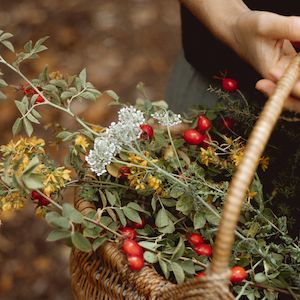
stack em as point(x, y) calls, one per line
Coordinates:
point(116, 136)
point(167, 118)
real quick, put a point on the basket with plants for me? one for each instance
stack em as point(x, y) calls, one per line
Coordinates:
point(150, 190)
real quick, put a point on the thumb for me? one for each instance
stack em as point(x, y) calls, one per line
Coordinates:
point(279, 27)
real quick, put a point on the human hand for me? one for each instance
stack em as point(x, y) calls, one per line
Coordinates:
point(263, 40)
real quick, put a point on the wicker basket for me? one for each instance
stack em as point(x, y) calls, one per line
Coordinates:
point(104, 274)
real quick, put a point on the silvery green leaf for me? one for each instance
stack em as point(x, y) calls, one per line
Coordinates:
point(17, 126)
point(28, 127)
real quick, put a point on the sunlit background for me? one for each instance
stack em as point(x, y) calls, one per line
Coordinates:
point(120, 42)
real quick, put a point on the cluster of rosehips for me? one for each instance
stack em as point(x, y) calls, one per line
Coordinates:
point(39, 199)
point(199, 246)
point(30, 91)
point(198, 136)
point(133, 251)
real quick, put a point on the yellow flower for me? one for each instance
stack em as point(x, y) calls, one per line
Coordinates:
point(237, 157)
point(40, 211)
point(265, 161)
point(11, 201)
point(82, 142)
point(251, 195)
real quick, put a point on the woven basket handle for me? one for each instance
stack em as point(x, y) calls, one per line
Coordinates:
point(246, 170)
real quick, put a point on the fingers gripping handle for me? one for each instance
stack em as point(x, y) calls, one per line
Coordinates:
point(246, 170)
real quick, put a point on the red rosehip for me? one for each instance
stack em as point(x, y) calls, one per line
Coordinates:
point(200, 275)
point(135, 263)
point(196, 239)
point(147, 131)
point(132, 248)
point(139, 225)
point(229, 84)
point(203, 123)
point(39, 99)
point(128, 232)
point(192, 137)
point(238, 274)
point(124, 172)
point(39, 199)
point(203, 249)
point(227, 123)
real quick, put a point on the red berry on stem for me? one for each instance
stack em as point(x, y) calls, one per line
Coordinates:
point(39, 199)
point(128, 232)
point(132, 248)
point(203, 249)
point(124, 172)
point(139, 225)
point(147, 131)
point(39, 99)
point(193, 137)
point(227, 123)
point(229, 84)
point(203, 123)
point(196, 239)
point(200, 275)
point(238, 274)
point(135, 263)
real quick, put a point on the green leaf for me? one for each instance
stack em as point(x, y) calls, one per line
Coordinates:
point(178, 272)
point(5, 36)
point(188, 267)
point(33, 181)
point(8, 45)
point(168, 229)
point(34, 162)
point(92, 232)
point(212, 218)
point(260, 277)
point(112, 214)
point(17, 126)
point(179, 250)
point(137, 207)
point(56, 235)
point(150, 257)
point(110, 197)
point(64, 135)
point(2, 83)
point(55, 219)
point(103, 199)
point(32, 119)
point(88, 96)
point(164, 267)
point(162, 219)
point(121, 216)
point(80, 242)
point(149, 245)
point(98, 242)
point(36, 113)
point(82, 77)
point(176, 192)
point(21, 107)
point(112, 94)
point(73, 214)
point(66, 95)
point(132, 215)
point(199, 220)
point(2, 96)
point(185, 204)
point(28, 127)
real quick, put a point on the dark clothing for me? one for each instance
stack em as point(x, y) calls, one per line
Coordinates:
point(209, 56)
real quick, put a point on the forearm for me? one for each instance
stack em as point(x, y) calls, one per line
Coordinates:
point(219, 16)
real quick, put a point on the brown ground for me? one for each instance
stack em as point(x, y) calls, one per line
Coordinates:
point(121, 42)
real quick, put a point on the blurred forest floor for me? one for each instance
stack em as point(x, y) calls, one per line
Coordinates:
point(120, 42)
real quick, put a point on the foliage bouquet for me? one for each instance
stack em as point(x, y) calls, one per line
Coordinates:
point(157, 179)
